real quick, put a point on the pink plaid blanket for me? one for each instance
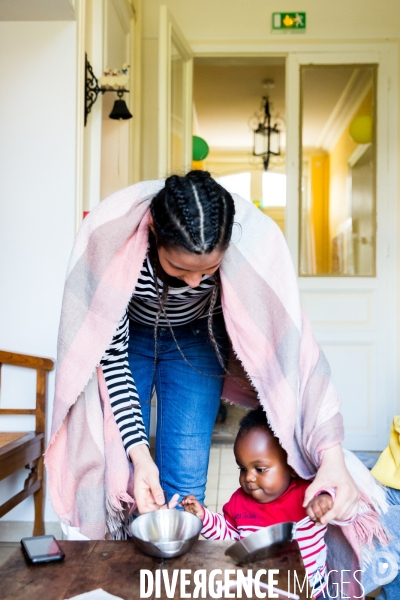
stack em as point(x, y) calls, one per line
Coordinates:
point(272, 344)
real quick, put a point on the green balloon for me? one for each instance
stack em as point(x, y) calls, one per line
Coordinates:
point(200, 148)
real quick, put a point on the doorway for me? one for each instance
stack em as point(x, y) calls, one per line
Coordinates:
point(228, 100)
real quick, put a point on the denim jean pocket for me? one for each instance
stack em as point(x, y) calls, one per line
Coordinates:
point(200, 330)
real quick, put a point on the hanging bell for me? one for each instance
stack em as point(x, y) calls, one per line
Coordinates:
point(120, 109)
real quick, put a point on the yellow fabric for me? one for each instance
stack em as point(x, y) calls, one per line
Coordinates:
point(387, 469)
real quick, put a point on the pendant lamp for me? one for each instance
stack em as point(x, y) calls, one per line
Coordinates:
point(266, 135)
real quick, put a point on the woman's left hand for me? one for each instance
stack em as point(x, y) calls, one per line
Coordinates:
point(333, 473)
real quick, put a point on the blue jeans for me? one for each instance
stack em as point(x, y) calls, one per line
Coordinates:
point(385, 566)
point(187, 401)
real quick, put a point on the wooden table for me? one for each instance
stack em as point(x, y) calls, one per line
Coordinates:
point(115, 567)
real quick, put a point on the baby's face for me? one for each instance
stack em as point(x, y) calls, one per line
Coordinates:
point(264, 472)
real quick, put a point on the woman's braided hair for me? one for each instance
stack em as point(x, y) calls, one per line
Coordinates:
point(193, 212)
point(196, 214)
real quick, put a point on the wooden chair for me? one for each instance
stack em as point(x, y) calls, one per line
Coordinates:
point(19, 450)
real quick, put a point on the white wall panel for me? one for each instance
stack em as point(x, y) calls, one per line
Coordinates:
point(335, 309)
point(354, 374)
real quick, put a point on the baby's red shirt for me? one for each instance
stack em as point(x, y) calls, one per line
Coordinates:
point(243, 511)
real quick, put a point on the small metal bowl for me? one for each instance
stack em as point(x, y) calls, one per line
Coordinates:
point(166, 533)
point(263, 543)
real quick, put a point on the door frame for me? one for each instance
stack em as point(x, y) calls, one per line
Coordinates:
point(169, 33)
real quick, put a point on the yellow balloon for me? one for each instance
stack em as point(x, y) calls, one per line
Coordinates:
point(361, 129)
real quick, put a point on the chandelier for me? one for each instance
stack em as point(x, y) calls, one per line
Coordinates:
point(266, 136)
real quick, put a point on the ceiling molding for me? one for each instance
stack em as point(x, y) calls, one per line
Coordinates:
point(353, 94)
point(125, 12)
point(37, 10)
point(357, 154)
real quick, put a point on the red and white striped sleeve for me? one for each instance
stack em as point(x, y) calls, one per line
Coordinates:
point(218, 527)
point(310, 537)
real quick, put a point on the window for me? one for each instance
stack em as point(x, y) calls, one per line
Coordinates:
point(273, 189)
point(239, 183)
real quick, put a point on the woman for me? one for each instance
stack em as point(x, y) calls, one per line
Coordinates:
point(149, 240)
point(189, 231)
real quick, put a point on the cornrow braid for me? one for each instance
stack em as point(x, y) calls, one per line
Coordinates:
point(161, 299)
point(217, 212)
point(193, 212)
point(213, 300)
point(176, 188)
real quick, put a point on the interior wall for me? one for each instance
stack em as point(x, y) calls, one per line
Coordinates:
point(37, 205)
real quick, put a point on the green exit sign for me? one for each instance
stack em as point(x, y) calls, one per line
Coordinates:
point(288, 21)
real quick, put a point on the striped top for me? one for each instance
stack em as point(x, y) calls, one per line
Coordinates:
point(242, 515)
point(183, 304)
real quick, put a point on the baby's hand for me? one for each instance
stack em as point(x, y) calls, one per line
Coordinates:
point(319, 506)
point(192, 505)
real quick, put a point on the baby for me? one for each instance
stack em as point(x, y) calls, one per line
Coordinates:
point(270, 492)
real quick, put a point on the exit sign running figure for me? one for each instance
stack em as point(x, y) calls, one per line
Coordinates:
point(285, 21)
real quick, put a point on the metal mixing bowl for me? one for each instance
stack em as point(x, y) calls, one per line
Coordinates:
point(263, 543)
point(166, 533)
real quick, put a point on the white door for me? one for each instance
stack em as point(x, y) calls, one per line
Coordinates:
point(349, 295)
point(175, 98)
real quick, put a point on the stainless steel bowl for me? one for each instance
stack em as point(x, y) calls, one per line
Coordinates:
point(166, 533)
point(263, 543)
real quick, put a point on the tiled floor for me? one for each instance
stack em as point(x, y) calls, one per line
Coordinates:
point(223, 476)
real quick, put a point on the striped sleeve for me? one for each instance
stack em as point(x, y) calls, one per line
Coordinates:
point(121, 388)
point(310, 537)
point(218, 527)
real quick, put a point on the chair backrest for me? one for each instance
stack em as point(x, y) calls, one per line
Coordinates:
point(42, 366)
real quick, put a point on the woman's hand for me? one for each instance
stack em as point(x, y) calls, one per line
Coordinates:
point(147, 490)
point(192, 505)
point(171, 503)
point(333, 473)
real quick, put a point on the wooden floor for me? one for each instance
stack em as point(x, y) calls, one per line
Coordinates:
point(6, 549)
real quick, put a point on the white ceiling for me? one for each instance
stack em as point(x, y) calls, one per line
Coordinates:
point(37, 10)
point(227, 92)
